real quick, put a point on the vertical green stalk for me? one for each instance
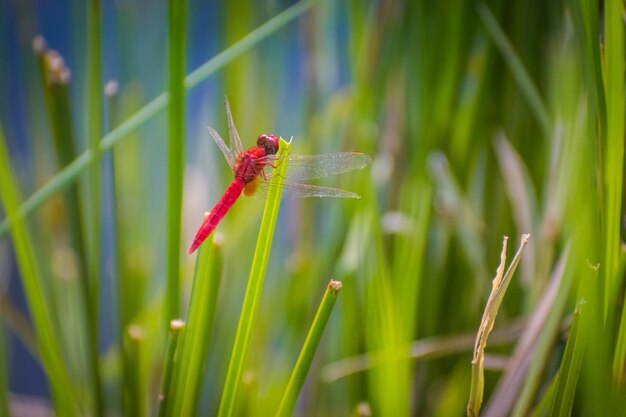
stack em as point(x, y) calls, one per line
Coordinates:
point(94, 132)
point(191, 359)
point(517, 68)
point(298, 375)
point(614, 151)
point(55, 80)
point(251, 300)
point(47, 336)
point(164, 396)
point(177, 19)
point(135, 342)
point(123, 281)
point(567, 378)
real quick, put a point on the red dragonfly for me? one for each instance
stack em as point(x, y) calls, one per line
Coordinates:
point(251, 171)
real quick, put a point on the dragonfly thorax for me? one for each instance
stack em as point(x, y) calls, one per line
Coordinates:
point(250, 164)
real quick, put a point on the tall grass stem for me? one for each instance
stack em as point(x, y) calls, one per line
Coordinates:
point(47, 336)
point(300, 371)
point(196, 338)
point(94, 133)
point(239, 352)
point(176, 326)
point(177, 33)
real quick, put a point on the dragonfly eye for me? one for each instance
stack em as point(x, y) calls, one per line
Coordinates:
point(269, 143)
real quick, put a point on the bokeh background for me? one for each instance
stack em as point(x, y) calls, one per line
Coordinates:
point(484, 119)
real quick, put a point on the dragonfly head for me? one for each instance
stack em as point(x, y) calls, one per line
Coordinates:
point(268, 142)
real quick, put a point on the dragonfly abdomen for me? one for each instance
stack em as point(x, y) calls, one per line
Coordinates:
point(218, 212)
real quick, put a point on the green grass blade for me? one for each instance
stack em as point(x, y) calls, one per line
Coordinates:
point(619, 359)
point(194, 345)
point(239, 353)
point(409, 257)
point(70, 173)
point(586, 19)
point(48, 339)
point(164, 398)
point(524, 392)
point(299, 373)
point(546, 401)
point(525, 83)
point(94, 133)
point(177, 18)
point(134, 345)
point(614, 153)
point(567, 379)
point(55, 84)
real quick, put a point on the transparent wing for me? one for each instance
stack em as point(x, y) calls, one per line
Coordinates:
point(309, 167)
point(236, 147)
point(222, 145)
point(294, 190)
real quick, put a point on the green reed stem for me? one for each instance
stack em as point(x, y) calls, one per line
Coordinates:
point(47, 336)
point(177, 19)
point(614, 156)
point(134, 401)
point(567, 378)
point(94, 132)
point(196, 338)
point(518, 70)
point(299, 373)
point(164, 396)
point(239, 353)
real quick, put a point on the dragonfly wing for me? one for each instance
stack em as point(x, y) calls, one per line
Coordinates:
point(308, 167)
point(222, 145)
point(295, 190)
point(235, 141)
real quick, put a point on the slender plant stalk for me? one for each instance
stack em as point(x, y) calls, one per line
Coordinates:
point(193, 348)
point(410, 255)
point(47, 335)
point(518, 400)
point(614, 85)
point(164, 396)
point(135, 341)
point(55, 81)
point(387, 384)
point(123, 281)
point(500, 285)
point(523, 79)
point(251, 300)
point(94, 133)
point(299, 373)
point(177, 18)
point(567, 378)
point(70, 173)
point(619, 361)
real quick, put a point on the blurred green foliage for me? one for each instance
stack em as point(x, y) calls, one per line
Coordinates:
point(484, 119)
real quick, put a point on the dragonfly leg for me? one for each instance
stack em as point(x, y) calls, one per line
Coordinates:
point(268, 176)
